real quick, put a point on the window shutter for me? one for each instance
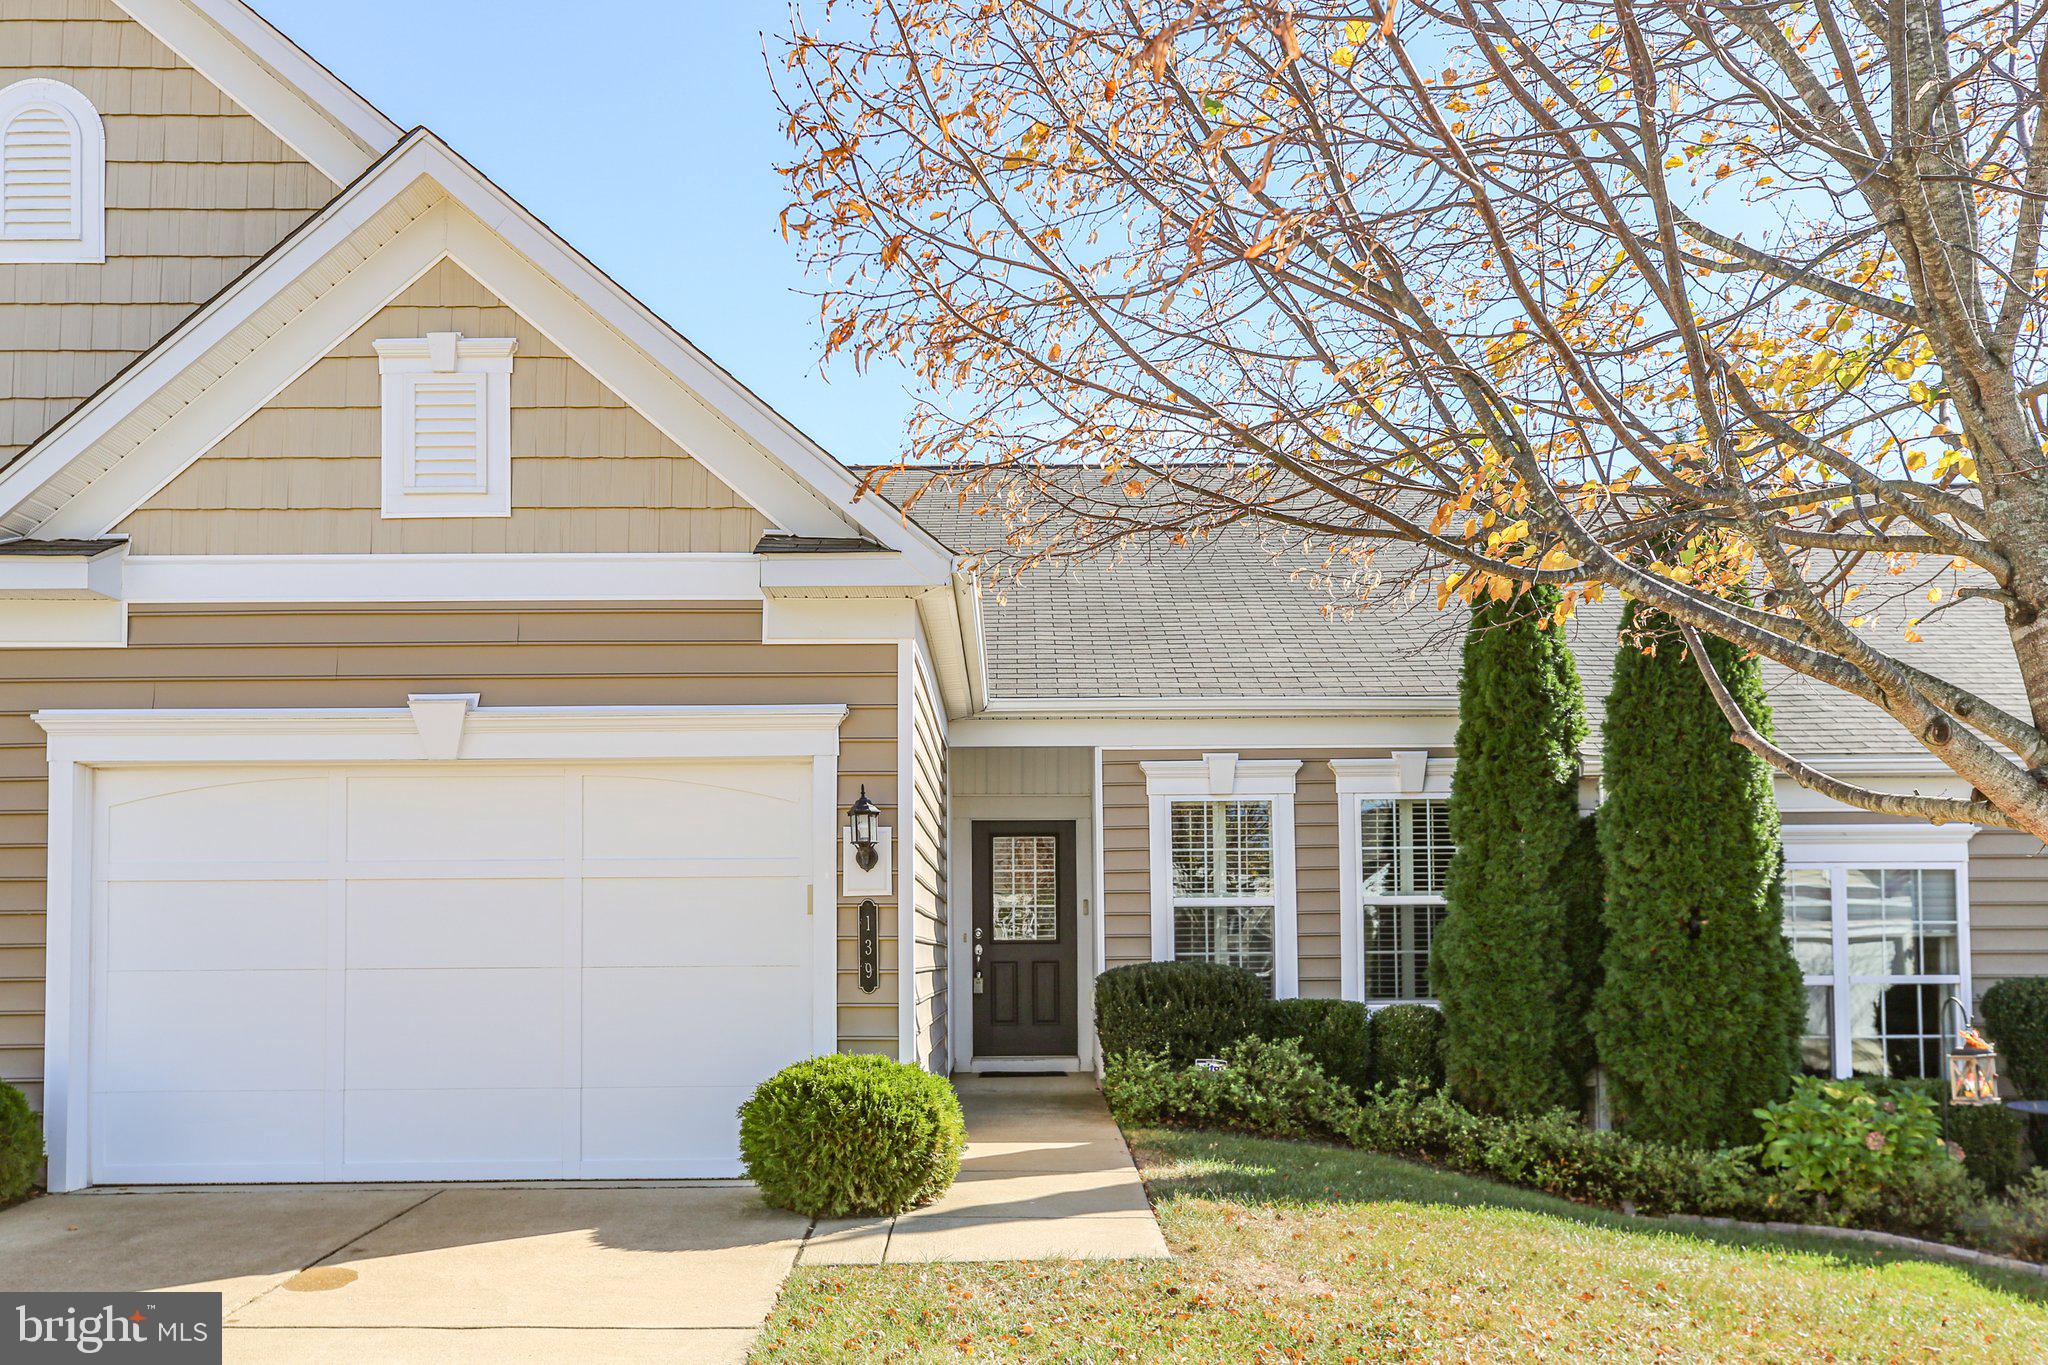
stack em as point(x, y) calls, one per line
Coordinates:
point(39, 168)
point(446, 440)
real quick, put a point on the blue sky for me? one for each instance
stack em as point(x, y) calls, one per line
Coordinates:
point(644, 133)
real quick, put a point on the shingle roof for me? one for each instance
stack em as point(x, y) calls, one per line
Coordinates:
point(1244, 615)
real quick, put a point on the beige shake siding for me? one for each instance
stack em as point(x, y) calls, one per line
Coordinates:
point(303, 475)
point(196, 191)
point(364, 656)
point(2008, 874)
point(928, 894)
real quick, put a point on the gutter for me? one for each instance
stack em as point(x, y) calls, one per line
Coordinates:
point(1112, 708)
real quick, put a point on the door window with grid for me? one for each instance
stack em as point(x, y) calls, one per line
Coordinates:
point(1404, 854)
point(1881, 949)
point(1223, 888)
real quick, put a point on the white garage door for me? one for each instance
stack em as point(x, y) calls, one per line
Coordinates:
point(443, 972)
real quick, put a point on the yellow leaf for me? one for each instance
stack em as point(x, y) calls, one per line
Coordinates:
point(1355, 32)
point(1604, 84)
point(1674, 162)
point(1934, 594)
point(1343, 56)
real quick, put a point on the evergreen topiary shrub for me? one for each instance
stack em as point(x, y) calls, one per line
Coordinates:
point(1515, 1037)
point(839, 1136)
point(1408, 1047)
point(2015, 1015)
point(21, 1145)
point(1698, 1016)
point(1335, 1034)
point(1994, 1143)
point(1270, 1089)
point(1183, 1009)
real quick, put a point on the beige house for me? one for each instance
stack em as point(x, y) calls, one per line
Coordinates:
point(437, 696)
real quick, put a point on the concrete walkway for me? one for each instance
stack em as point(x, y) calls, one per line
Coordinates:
point(1046, 1175)
point(368, 1273)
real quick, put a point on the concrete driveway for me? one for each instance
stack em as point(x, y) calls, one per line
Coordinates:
point(651, 1271)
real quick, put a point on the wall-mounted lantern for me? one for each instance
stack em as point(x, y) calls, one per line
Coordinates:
point(863, 820)
point(865, 847)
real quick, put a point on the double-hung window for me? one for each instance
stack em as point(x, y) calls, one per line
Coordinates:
point(1394, 854)
point(1222, 867)
point(1879, 923)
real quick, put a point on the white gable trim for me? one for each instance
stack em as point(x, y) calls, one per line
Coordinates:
point(727, 429)
point(310, 108)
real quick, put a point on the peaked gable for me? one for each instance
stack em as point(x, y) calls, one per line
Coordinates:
point(197, 189)
point(303, 475)
point(419, 205)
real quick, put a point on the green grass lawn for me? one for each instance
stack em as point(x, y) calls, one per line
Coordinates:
point(1288, 1251)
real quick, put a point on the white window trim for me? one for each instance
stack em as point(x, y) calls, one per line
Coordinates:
point(1905, 848)
point(89, 246)
point(1226, 777)
point(400, 361)
point(80, 742)
point(1406, 774)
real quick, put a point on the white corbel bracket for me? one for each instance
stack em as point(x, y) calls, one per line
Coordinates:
point(440, 718)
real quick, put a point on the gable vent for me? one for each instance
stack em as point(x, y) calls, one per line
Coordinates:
point(447, 446)
point(39, 168)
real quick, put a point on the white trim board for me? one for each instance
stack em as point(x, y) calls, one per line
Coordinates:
point(82, 741)
point(1407, 773)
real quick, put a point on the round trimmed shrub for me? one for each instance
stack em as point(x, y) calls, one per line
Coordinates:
point(21, 1145)
point(1187, 1010)
point(1408, 1046)
point(1334, 1034)
point(840, 1136)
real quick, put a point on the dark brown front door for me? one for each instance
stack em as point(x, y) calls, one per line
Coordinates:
point(1026, 996)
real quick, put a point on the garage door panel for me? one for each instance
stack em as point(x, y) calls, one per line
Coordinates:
point(199, 925)
point(445, 923)
point(272, 1135)
point(214, 1031)
point(220, 822)
point(455, 1029)
point(662, 1131)
point(701, 921)
point(434, 817)
point(641, 817)
point(660, 1026)
point(507, 1131)
point(445, 971)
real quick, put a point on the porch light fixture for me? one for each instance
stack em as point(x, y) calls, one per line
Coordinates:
point(1972, 1062)
point(863, 818)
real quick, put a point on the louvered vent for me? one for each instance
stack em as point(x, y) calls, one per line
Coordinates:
point(447, 434)
point(39, 167)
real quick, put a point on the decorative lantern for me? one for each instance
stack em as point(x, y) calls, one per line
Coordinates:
point(863, 817)
point(1972, 1064)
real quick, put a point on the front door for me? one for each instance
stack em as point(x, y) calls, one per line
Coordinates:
point(1026, 996)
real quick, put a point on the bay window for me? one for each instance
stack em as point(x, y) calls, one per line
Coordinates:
point(1879, 923)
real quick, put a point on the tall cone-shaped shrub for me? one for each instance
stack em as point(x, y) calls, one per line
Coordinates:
point(1515, 994)
point(1697, 1020)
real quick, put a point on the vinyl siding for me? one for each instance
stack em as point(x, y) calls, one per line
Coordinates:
point(1023, 772)
point(512, 655)
point(2008, 907)
point(930, 810)
point(304, 474)
point(2008, 874)
point(197, 190)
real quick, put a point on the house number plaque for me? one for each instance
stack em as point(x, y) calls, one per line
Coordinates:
point(870, 964)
